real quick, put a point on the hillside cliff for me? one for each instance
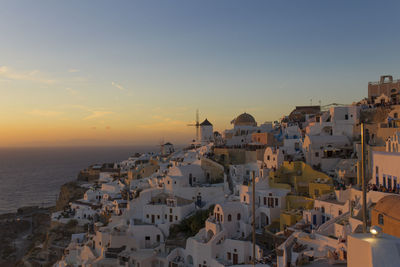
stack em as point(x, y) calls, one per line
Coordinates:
point(70, 191)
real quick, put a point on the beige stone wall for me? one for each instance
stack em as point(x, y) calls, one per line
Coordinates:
point(384, 133)
point(213, 170)
point(222, 155)
point(237, 156)
point(359, 252)
point(260, 154)
point(250, 156)
point(264, 138)
point(376, 89)
point(145, 171)
point(230, 155)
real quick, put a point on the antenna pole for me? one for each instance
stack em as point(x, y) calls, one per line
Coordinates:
point(254, 216)
point(364, 187)
point(197, 125)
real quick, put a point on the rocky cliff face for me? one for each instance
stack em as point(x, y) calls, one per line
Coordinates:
point(46, 243)
point(20, 232)
point(28, 238)
point(70, 191)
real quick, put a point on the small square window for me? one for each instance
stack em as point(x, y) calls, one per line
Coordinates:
point(380, 219)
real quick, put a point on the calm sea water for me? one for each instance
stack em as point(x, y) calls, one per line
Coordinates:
point(33, 176)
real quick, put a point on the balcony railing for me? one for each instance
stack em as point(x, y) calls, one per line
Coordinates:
point(377, 83)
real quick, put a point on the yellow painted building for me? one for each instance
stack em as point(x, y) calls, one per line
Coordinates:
point(305, 183)
point(302, 179)
point(289, 217)
point(299, 202)
point(294, 206)
point(317, 189)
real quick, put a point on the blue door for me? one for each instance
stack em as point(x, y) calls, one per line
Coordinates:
point(314, 219)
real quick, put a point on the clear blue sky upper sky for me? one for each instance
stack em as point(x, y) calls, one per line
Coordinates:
point(148, 63)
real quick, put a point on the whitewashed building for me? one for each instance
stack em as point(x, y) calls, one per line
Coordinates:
point(386, 164)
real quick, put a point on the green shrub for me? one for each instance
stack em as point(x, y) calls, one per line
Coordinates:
point(190, 226)
point(71, 224)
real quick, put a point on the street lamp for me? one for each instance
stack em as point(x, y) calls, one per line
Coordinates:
point(375, 230)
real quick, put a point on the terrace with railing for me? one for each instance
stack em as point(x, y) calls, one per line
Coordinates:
point(384, 82)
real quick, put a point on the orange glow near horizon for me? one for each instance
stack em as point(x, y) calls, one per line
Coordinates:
point(36, 112)
point(92, 134)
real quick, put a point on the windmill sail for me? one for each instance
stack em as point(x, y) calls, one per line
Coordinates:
point(197, 125)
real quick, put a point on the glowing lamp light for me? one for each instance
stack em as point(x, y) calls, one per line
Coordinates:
point(375, 230)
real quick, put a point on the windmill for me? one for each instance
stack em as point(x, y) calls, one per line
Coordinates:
point(161, 145)
point(196, 124)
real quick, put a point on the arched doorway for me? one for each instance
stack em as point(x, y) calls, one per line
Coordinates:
point(210, 235)
point(189, 260)
point(264, 219)
point(393, 96)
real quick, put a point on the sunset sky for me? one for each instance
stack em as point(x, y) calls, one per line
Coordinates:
point(134, 72)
